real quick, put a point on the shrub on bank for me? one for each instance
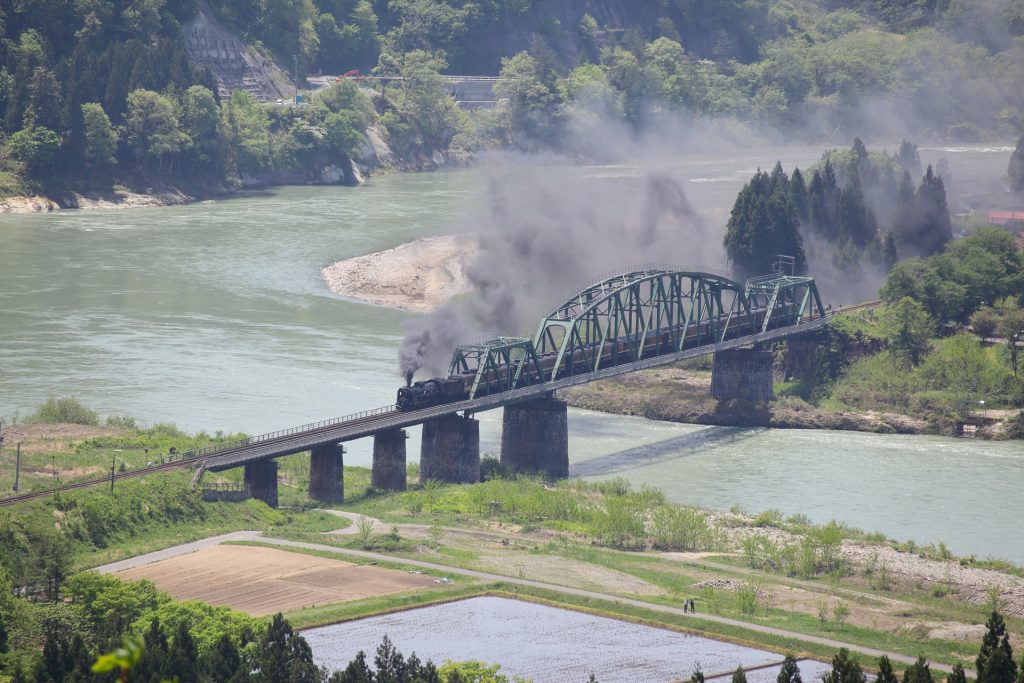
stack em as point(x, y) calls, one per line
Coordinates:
point(65, 410)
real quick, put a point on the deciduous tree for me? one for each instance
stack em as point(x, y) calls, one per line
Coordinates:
point(100, 139)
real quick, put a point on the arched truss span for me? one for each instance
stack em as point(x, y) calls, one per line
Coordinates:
point(641, 313)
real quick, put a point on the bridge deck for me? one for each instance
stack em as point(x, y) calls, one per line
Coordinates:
point(361, 427)
point(299, 439)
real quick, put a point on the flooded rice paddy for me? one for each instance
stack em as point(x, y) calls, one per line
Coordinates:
point(543, 643)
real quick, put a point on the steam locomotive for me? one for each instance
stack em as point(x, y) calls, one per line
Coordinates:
point(433, 392)
point(441, 390)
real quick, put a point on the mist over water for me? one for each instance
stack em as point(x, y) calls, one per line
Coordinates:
point(214, 316)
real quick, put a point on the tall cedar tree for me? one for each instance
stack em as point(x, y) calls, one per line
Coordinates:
point(934, 228)
point(958, 675)
point(844, 670)
point(823, 193)
point(223, 661)
point(790, 671)
point(285, 656)
point(763, 223)
point(739, 676)
point(918, 672)
point(995, 660)
point(885, 672)
point(1016, 167)
point(357, 671)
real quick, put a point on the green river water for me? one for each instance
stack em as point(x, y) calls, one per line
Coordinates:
point(214, 316)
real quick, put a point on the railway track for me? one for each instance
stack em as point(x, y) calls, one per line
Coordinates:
point(207, 455)
point(297, 439)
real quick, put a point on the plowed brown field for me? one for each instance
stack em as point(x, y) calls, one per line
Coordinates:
point(262, 581)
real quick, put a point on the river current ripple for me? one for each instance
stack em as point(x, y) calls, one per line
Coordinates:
point(214, 316)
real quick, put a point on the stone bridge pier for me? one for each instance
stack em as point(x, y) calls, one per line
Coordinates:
point(327, 473)
point(389, 460)
point(450, 451)
point(261, 479)
point(535, 437)
point(744, 374)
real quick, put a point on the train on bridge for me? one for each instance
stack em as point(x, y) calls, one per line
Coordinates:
point(528, 365)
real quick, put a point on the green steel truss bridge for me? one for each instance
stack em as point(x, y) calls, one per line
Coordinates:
point(628, 321)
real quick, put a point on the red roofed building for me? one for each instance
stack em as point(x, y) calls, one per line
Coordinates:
point(1004, 217)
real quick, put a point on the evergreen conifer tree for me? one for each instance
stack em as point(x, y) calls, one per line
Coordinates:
point(762, 224)
point(885, 671)
point(995, 659)
point(1016, 167)
point(856, 221)
point(918, 672)
point(790, 671)
point(908, 158)
point(223, 661)
point(357, 671)
point(182, 655)
point(958, 675)
point(798, 194)
point(285, 656)
point(844, 670)
point(739, 676)
point(933, 229)
point(697, 676)
point(152, 665)
point(389, 662)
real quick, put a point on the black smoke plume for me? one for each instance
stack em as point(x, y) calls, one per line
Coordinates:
point(549, 232)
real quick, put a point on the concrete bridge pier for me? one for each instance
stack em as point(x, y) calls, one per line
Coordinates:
point(389, 460)
point(261, 479)
point(451, 450)
point(535, 437)
point(744, 374)
point(326, 472)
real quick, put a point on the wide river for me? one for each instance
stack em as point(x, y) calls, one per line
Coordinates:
point(214, 316)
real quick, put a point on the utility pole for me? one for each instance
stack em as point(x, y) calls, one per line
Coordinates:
point(17, 469)
point(113, 463)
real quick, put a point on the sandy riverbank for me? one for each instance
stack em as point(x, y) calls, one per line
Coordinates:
point(418, 276)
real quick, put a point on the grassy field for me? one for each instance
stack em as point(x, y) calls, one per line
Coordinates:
point(605, 538)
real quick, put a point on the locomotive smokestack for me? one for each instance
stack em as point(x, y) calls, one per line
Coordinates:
point(408, 379)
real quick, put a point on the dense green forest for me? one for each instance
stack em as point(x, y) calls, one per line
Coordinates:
point(104, 89)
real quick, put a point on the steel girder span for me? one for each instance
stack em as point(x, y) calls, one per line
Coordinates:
point(643, 313)
point(631, 316)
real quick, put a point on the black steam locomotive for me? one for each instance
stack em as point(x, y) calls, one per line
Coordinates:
point(432, 392)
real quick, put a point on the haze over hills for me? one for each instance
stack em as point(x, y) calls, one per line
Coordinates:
point(811, 70)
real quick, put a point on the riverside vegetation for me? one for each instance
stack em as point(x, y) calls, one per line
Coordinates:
point(604, 534)
point(944, 344)
point(94, 95)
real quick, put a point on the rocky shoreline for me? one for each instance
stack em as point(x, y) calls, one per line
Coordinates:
point(116, 199)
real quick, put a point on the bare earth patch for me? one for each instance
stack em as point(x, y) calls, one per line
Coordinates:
point(46, 438)
point(261, 581)
point(418, 276)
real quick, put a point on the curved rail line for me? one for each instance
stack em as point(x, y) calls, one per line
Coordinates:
point(210, 455)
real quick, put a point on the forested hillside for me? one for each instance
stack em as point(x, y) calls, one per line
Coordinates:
point(105, 89)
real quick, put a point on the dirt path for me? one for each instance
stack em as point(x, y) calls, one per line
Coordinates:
point(487, 576)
